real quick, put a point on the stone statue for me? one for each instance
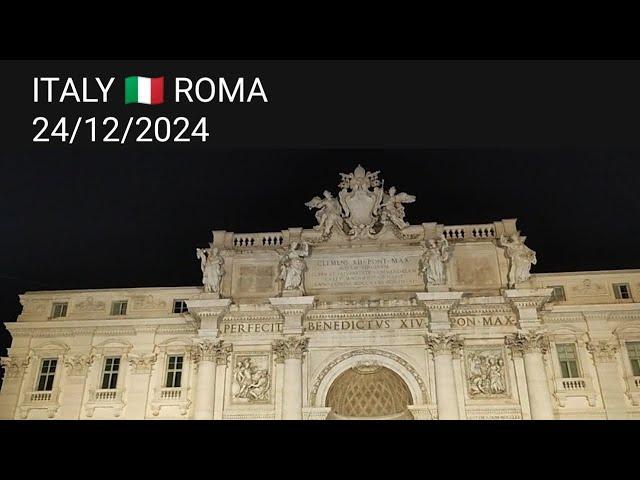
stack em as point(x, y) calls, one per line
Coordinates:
point(392, 208)
point(433, 261)
point(362, 209)
point(329, 213)
point(520, 258)
point(212, 266)
point(293, 266)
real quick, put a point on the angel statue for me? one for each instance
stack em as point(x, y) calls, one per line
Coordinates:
point(392, 208)
point(432, 263)
point(293, 266)
point(329, 212)
point(520, 258)
point(212, 266)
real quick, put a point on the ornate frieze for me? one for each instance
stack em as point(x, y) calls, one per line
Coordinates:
point(90, 305)
point(527, 342)
point(252, 379)
point(603, 350)
point(148, 302)
point(290, 347)
point(14, 367)
point(142, 363)
point(77, 365)
point(443, 343)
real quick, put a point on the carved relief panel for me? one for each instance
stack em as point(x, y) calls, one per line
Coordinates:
point(485, 372)
point(252, 378)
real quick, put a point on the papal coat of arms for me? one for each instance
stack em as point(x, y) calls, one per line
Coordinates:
point(363, 208)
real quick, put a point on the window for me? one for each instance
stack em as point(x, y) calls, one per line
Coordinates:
point(568, 360)
point(59, 310)
point(179, 306)
point(634, 357)
point(110, 374)
point(174, 371)
point(47, 374)
point(622, 291)
point(119, 308)
point(558, 294)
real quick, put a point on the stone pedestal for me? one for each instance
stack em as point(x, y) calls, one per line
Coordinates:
point(527, 303)
point(438, 305)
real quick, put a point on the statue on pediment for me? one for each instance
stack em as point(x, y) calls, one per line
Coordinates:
point(363, 209)
point(212, 266)
point(392, 208)
point(520, 258)
point(329, 213)
point(433, 261)
point(293, 266)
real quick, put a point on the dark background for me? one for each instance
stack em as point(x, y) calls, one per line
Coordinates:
point(86, 219)
point(553, 143)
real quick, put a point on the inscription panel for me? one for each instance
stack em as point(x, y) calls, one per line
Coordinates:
point(392, 271)
point(254, 279)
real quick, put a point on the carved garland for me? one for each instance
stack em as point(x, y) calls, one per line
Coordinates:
point(325, 371)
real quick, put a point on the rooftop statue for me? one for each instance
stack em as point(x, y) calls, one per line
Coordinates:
point(362, 209)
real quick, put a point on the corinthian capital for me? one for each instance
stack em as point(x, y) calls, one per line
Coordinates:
point(142, 363)
point(527, 342)
point(77, 365)
point(14, 367)
point(443, 343)
point(211, 351)
point(290, 347)
point(603, 350)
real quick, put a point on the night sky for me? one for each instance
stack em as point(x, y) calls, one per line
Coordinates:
point(80, 219)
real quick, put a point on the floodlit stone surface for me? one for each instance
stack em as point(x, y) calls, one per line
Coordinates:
point(361, 316)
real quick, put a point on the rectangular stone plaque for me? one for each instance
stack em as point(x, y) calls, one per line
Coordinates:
point(395, 271)
point(254, 279)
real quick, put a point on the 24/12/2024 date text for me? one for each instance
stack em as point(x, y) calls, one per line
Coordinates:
point(111, 130)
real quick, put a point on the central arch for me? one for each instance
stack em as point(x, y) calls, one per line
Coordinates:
point(369, 391)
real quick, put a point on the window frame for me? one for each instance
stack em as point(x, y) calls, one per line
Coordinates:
point(120, 303)
point(617, 291)
point(562, 361)
point(65, 308)
point(634, 358)
point(49, 376)
point(111, 373)
point(183, 303)
point(554, 296)
point(174, 371)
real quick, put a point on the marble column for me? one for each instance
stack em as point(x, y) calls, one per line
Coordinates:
point(291, 350)
point(206, 352)
point(605, 357)
point(222, 361)
point(442, 346)
point(532, 346)
point(207, 311)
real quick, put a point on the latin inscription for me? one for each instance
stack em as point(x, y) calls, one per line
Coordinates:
point(482, 321)
point(376, 271)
